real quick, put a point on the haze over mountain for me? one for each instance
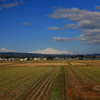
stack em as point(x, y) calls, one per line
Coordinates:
point(50, 51)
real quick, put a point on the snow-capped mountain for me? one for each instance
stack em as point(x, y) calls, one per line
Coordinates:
point(50, 51)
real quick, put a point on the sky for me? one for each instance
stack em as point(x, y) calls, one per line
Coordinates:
point(66, 25)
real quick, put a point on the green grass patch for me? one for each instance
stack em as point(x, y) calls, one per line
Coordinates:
point(57, 92)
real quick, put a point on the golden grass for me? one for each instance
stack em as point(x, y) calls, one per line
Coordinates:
point(40, 64)
point(76, 63)
point(5, 63)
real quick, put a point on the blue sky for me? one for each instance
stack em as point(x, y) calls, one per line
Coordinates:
point(66, 25)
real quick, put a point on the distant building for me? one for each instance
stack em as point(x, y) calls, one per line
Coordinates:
point(37, 59)
point(23, 59)
point(44, 58)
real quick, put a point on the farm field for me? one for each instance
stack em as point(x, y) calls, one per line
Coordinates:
point(50, 80)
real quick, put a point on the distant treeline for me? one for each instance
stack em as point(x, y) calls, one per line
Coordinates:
point(31, 55)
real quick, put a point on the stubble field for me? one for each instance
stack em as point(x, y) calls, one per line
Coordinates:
point(50, 80)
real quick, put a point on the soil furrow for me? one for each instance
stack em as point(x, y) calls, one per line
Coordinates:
point(43, 91)
point(21, 87)
point(73, 88)
point(31, 87)
point(40, 86)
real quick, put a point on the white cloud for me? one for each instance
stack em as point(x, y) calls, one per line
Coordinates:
point(54, 28)
point(10, 5)
point(71, 26)
point(87, 39)
point(5, 50)
point(88, 21)
point(63, 39)
point(97, 7)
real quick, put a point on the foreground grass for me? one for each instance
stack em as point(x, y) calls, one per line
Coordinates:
point(74, 82)
point(91, 72)
point(18, 80)
point(58, 90)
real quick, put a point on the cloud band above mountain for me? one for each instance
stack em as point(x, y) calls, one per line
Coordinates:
point(6, 50)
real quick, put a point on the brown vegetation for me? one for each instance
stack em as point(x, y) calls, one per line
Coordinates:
point(40, 64)
point(62, 80)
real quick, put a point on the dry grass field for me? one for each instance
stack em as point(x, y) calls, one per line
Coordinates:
point(50, 80)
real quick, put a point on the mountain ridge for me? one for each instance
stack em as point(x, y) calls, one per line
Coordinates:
point(50, 51)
